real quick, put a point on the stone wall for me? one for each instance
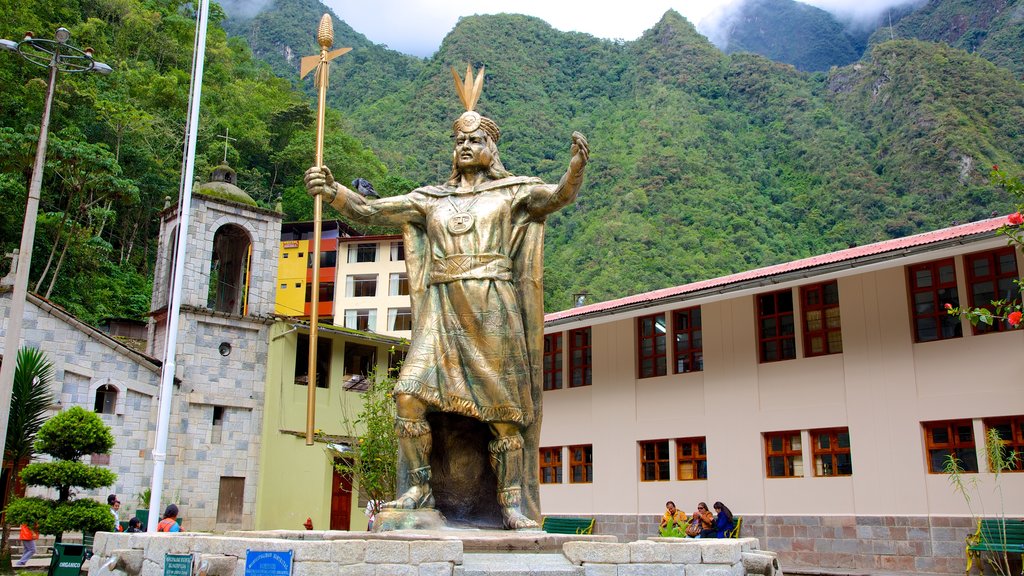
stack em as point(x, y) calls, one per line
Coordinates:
point(876, 543)
point(143, 555)
point(203, 452)
point(389, 555)
point(663, 557)
point(85, 359)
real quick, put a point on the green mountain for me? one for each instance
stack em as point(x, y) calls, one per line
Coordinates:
point(116, 142)
point(993, 29)
point(287, 32)
point(702, 163)
point(814, 40)
point(788, 31)
point(705, 164)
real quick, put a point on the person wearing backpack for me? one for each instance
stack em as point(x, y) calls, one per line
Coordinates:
point(170, 520)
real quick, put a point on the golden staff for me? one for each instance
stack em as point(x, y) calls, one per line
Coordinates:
point(322, 65)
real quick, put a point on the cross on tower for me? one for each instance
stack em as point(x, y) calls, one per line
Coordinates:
point(226, 139)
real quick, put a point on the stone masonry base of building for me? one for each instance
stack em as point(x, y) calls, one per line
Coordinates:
point(922, 544)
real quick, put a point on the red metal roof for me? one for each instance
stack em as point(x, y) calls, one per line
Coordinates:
point(961, 231)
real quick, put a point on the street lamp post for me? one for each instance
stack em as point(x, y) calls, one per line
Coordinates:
point(57, 55)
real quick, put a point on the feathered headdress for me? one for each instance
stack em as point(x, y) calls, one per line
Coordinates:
point(469, 90)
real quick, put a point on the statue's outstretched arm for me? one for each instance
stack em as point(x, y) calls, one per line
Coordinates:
point(392, 210)
point(545, 199)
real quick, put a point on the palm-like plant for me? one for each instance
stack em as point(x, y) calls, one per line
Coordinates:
point(31, 398)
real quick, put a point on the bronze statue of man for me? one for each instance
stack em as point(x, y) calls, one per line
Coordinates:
point(474, 253)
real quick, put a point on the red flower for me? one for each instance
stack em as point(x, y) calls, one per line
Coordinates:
point(949, 306)
point(1016, 219)
point(1014, 318)
point(995, 167)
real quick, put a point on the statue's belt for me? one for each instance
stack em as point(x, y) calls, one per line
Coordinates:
point(470, 267)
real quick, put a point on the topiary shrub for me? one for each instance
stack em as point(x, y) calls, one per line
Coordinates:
point(67, 437)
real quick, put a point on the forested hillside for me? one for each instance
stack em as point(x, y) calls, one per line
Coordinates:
point(115, 142)
point(788, 31)
point(993, 29)
point(702, 163)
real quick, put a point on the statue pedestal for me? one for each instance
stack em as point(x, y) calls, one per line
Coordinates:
point(390, 519)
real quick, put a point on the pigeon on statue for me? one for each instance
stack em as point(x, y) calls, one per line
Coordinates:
point(364, 187)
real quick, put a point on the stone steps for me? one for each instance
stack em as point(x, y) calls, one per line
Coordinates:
point(516, 564)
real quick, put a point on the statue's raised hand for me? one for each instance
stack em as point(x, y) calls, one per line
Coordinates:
point(580, 151)
point(320, 182)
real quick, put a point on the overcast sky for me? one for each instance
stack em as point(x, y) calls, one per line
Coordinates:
point(417, 26)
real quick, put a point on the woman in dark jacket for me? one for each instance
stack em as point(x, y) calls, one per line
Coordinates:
point(724, 522)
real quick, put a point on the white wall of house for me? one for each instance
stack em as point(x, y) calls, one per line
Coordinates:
point(382, 268)
point(881, 387)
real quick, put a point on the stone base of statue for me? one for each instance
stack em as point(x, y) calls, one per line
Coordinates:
point(390, 519)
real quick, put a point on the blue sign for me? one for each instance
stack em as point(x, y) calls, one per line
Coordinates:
point(259, 563)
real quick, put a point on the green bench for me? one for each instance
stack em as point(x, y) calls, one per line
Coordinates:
point(995, 535)
point(562, 525)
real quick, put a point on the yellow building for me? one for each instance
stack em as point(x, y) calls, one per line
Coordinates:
point(298, 481)
point(371, 324)
point(295, 268)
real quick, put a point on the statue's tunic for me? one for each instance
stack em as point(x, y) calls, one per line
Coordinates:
point(470, 352)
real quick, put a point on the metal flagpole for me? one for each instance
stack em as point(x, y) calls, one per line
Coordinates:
point(174, 301)
point(322, 65)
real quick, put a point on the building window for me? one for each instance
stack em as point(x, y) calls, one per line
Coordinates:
point(362, 253)
point(99, 459)
point(932, 286)
point(990, 276)
point(399, 319)
point(325, 290)
point(399, 284)
point(361, 286)
point(217, 432)
point(229, 270)
point(328, 259)
point(397, 251)
point(1011, 432)
point(323, 361)
point(652, 346)
point(106, 399)
point(654, 461)
point(230, 499)
point(775, 330)
point(950, 438)
point(551, 465)
point(365, 320)
point(784, 454)
point(692, 459)
point(580, 367)
point(831, 452)
point(360, 361)
point(689, 351)
point(581, 464)
point(820, 309)
point(553, 361)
